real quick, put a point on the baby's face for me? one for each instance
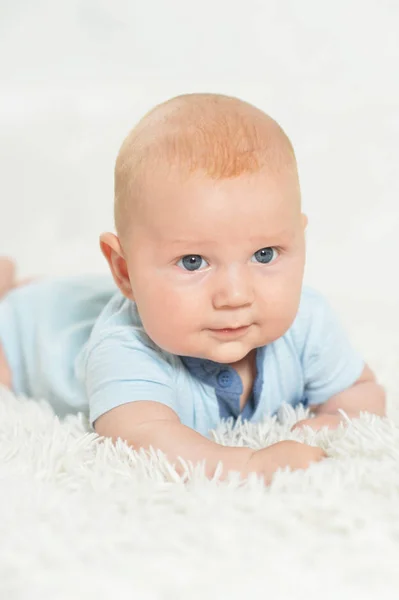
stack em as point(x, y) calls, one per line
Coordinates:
point(216, 266)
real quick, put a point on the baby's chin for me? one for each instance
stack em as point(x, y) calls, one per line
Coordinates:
point(227, 353)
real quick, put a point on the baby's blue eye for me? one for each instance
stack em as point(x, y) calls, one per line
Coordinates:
point(191, 262)
point(265, 255)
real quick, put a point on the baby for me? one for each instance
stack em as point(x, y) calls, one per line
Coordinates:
point(209, 319)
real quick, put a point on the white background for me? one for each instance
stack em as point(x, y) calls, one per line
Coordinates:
point(76, 75)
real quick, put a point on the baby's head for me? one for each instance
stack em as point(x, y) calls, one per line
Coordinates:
point(210, 234)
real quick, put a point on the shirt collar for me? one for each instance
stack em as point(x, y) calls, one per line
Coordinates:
point(220, 376)
point(227, 383)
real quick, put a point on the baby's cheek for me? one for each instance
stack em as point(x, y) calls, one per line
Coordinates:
point(168, 320)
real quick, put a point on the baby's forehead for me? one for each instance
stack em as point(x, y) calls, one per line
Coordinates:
point(197, 204)
point(169, 183)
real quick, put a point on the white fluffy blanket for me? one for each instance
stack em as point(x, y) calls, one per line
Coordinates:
point(83, 519)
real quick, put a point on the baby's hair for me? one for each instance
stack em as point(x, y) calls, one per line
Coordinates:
point(221, 136)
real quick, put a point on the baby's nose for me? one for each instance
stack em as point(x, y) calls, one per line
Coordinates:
point(233, 288)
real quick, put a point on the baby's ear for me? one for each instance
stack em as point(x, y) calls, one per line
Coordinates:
point(113, 252)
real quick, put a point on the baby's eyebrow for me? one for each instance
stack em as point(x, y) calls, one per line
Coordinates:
point(263, 241)
point(188, 242)
point(273, 238)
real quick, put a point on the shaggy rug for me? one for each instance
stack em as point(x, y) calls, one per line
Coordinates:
point(83, 518)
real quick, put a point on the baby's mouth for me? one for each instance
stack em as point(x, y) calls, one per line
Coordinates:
point(233, 331)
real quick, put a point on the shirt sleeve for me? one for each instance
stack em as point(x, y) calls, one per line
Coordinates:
point(120, 369)
point(330, 363)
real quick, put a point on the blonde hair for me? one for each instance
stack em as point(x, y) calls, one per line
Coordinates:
point(219, 135)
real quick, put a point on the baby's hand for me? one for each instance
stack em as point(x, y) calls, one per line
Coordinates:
point(284, 454)
point(319, 421)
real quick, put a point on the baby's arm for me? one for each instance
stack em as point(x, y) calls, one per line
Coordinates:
point(364, 395)
point(336, 376)
point(144, 423)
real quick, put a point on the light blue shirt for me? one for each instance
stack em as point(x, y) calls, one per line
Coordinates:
point(80, 343)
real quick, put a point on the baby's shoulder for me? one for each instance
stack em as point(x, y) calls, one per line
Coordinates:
point(119, 327)
point(312, 312)
point(312, 301)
